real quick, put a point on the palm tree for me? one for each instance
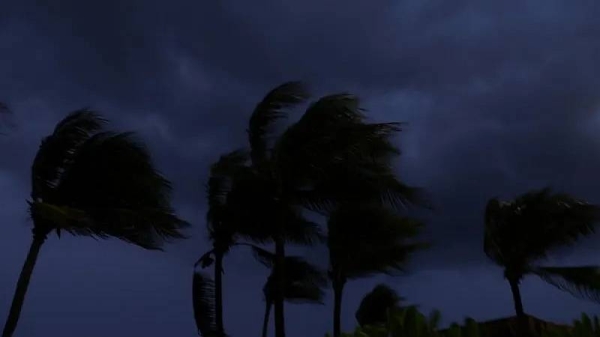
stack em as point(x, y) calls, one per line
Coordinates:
point(520, 233)
point(376, 304)
point(230, 180)
point(304, 283)
point(366, 239)
point(222, 234)
point(329, 150)
point(90, 182)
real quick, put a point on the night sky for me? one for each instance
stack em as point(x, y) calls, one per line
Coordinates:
point(501, 97)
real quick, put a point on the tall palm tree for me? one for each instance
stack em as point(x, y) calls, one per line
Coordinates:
point(90, 182)
point(376, 304)
point(520, 233)
point(330, 149)
point(304, 283)
point(366, 239)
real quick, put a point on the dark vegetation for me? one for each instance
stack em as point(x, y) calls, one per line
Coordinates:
point(334, 163)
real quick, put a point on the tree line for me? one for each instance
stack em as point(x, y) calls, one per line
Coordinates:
point(87, 180)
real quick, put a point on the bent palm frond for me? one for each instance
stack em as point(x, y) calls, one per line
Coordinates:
point(269, 110)
point(527, 228)
point(385, 246)
point(57, 151)
point(203, 289)
point(304, 282)
point(582, 282)
point(112, 178)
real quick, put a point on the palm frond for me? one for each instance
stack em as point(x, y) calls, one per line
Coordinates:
point(112, 178)
point(333, 155)
point(57, 151)
point(582, 282)
point(57, 217)
point(366, 239)
point(269, 110)
point(203, 289)
point(222, 231)
point(263, 256)
point(304, 282)
point(524, 230)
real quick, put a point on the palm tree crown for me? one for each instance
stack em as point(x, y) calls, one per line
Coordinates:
point(519, 234)
point(90, 182)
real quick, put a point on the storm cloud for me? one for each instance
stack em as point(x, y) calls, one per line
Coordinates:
point(499, 97)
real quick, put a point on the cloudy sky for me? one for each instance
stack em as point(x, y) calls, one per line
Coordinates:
point(500, 96)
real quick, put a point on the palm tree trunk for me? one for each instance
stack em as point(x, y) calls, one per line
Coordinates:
point(22, 285)
point(265, 328)
point(219, 293)
point(521, 317)
point(279, 289)
point(338, 289)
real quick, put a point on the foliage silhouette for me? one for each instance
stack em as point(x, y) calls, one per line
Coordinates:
point(89, 182)
point(366, 239)
point(586, 326)
point(222, 232)
point(315, 161)
point(203, 289)
point(304, 283)
point(520, 233)
point(375, 305)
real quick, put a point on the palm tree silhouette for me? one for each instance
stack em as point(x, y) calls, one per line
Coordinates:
point(229, 185)
point(89, 182)
point(304, 283)
point(366, 239)
point(376, 304)
point(222, 234)
point(520, 233)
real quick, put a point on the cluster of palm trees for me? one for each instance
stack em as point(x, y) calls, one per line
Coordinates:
point(332, 164)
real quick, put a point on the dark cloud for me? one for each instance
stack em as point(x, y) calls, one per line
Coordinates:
point(500, 97)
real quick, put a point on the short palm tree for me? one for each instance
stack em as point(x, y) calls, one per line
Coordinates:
point(520, 233)
point(330, 150)
point(376, 304)
point(222, 234)
point(231, 181)
point(89, 182)
point(365, 239)
point(304, 282)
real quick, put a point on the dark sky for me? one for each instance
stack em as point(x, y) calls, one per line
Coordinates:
point(500, 96)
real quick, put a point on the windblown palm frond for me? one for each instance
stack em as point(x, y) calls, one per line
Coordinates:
point(269, 110)
point(366, 239)
point(221, 227)
point(57, 151)
point(374, 307)
point(203, 289)
point(582, 282)
point(332, 154)
point(113, 180)
point(526, 229)
point(257, 213)
point(304, 283)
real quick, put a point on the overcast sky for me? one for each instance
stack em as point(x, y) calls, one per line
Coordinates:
point(500, 96)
